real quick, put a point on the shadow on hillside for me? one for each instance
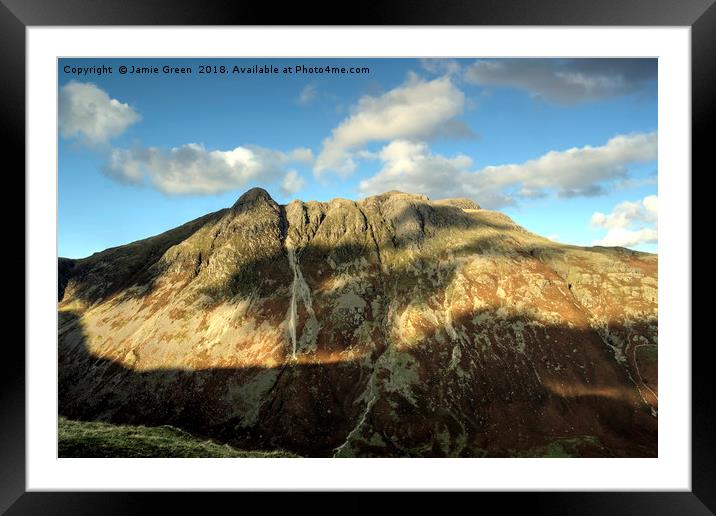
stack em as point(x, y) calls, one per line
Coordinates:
point(113, 271)
point(508, 405)
point(132, 271)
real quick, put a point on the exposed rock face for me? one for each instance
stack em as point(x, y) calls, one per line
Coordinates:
point(391, 326)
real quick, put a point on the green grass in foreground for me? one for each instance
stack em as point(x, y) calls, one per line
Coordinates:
point(96, 439)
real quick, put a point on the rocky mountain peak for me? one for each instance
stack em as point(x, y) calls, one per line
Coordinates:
point(252, 197)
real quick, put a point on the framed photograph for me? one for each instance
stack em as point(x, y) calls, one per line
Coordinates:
point(422, 252)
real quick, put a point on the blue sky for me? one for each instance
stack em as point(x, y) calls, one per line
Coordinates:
point(567, 148)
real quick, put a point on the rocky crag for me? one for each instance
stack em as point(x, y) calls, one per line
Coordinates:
point(390, 326)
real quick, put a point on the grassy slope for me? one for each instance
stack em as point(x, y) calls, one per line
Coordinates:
point(96, 439)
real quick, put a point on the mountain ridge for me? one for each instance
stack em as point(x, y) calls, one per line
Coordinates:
point(459, 202)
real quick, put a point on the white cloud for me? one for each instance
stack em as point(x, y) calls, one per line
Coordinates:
point(87, 112)
point(628, 213)
point(412, 167)
point(300, 155)
point(417, 109)
point(581, 171)
point(128, 166)
point(192, 169)
point(440, 65)
point(630, 223)
point(573, 172)
point(620, 237)
point(565, 81)
point(308, 94)
point(292, 183)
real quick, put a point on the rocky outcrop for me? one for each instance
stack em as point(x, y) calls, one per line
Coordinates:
point(390, 326)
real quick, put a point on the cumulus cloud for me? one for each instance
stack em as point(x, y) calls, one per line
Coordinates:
point(299, 155)
point(292, 183)
point(440, 65)
point(628, 213)
point(192, 169)
point(631, 223)
point(565, 81)
point(308, 94)
point(576, 171)
point(580, 171)
point(417, 109)
point(412, 167)
point(87, 112)
point(621, 237)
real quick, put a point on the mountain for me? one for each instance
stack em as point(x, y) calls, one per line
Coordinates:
point(390, 326)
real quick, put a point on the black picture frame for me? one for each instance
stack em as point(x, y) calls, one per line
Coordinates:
point(17, 15)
